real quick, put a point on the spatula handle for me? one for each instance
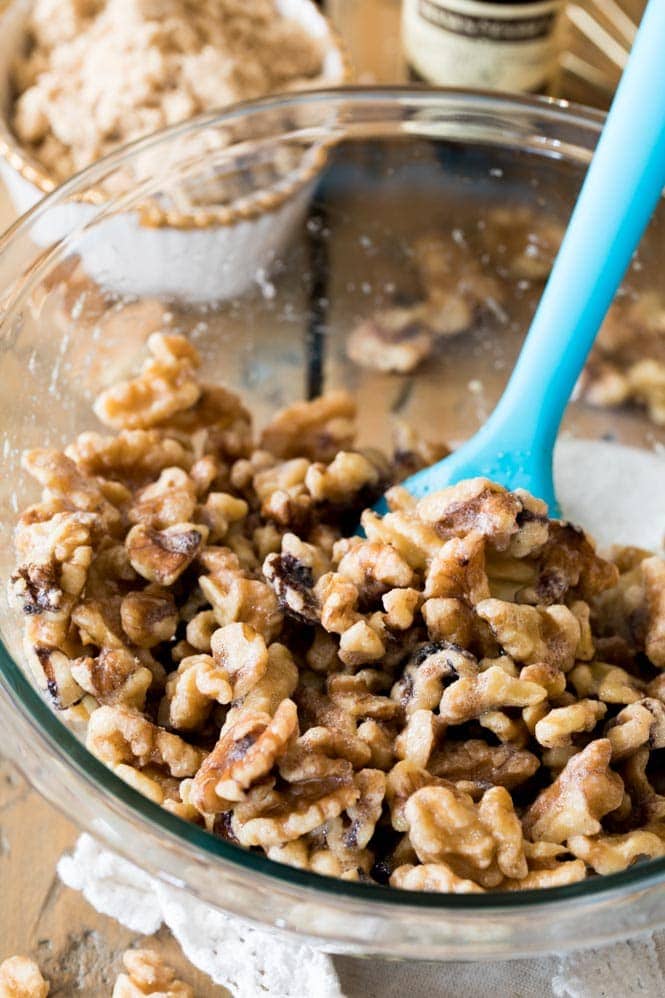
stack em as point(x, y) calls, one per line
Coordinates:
point(621, 189)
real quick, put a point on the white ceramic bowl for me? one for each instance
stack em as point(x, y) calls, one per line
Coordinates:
point(239, 240)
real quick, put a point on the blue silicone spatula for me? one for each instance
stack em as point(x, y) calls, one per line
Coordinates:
point(621, 189)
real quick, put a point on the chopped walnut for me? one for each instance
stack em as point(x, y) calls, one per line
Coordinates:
point(557, 728)
point(245, 753)
point(457, 570)
point(335, 742)
point(121, 734)
point(640, 723)
point(379, 741)
point(133, 456)
point(531, 634)
point(237, 599)
point(647, 805)
point(278, 682)
point(361, 816)
point(316, 430)
point(149, 616)
point(430, 670)
point(115, 676)
point(374, 566)
point(612, 853)
point(217, 423)
point(416, 541)
point(440, 704)
point(512, 521)
point(509, 730)
point(403, 780)
point(482, 765)
point(417, 740)
point(270, 817)
point(584, 792)
point(395, 339)
point(449, 620)
point(241, 653)
point(568, 563)
point(472, 696)
point(554, 876)
point(293, 574)
point(436, 877)
point(53, 671)
point(167, 385)
point(360, 644)
point(192, 690)
point(497, 813)
point(161, 556)
point(482, 842)
point(148, 974)
point(61, 479)
point(20, 977)
point(653, 574)
point(349, 472)
point(607, 682)
point(168, 501)
point(400, 607)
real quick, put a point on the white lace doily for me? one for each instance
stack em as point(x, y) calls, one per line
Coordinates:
point(253, 963)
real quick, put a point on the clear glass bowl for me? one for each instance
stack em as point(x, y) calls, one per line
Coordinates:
point(390, 165)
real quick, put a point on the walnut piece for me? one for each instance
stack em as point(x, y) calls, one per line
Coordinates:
point(436, 877)
point(120, 734)
point(584, 792)
point(394, 339)
point(167, 385)
point(245, 752)
point(20, 977)
point(148, 974)
point(241, 653)
point(612, 853)
point(316, 430)
point(161, 556)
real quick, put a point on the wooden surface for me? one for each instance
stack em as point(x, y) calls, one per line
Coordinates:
point(78, 949)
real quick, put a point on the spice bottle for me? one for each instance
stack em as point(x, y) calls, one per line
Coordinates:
point(482, 43)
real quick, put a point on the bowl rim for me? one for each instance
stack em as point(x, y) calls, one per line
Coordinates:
point(266, 201)
point(70, 751)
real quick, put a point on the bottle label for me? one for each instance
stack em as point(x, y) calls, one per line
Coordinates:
point(509, 46)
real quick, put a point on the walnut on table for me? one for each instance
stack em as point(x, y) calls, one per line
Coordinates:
point(148, 974)
point(20, 977)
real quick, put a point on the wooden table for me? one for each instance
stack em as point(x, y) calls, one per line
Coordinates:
point(78, 949)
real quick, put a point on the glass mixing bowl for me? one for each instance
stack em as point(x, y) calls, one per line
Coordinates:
point(380, 168)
